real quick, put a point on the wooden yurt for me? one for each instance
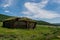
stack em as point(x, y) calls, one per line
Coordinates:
point(19, 23)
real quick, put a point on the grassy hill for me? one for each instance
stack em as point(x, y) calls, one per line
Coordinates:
point(56, 24)
point(41, 32)
point(42, 22)
point(39, 22)
point(3, 17)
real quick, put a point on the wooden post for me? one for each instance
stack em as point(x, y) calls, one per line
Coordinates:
point(34, 25)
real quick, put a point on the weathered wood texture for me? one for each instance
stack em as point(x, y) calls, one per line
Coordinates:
point(17, 23)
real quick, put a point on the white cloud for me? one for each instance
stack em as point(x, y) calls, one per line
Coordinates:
point(7, 11)
point(36, 9)
point(7, 3)
point(45, 14)
point(43, 3)
point(26, 12)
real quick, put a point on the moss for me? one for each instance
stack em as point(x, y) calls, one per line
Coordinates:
point(23, 19)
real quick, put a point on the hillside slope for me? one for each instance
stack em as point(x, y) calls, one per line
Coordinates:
point(3, 17)
point(40, 22)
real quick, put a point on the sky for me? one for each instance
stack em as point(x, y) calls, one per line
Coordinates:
point(46, 10)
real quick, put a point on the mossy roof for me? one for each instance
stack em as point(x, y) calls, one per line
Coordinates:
point(23, 19)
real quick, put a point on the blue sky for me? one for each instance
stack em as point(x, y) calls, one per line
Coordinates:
point(46, 10)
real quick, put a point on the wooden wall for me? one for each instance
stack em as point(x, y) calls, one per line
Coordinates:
point(19, 24)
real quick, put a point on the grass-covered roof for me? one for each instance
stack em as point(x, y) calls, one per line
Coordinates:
point(22, 18)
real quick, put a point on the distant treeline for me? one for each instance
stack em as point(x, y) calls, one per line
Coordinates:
point(47, 23)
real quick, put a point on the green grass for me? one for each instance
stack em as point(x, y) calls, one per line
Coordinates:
point(41, 32)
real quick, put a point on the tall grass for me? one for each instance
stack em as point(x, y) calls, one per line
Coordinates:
point(41, 32)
